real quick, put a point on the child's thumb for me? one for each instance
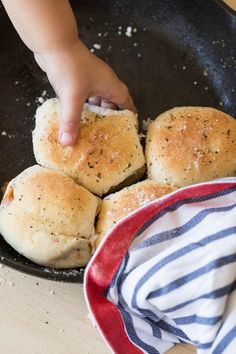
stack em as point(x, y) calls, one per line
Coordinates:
point(71, 110)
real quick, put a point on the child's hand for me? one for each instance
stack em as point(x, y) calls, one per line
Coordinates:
point(49, 29)
point(76, 74)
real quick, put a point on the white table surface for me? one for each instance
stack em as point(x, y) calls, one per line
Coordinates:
point(38, 316)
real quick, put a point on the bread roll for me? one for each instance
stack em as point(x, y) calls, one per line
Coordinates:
point(118, 205)
point(188, 145)
point(48, 218)
point(106, 154)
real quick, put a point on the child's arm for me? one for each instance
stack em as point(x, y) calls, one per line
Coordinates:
point(49, 29)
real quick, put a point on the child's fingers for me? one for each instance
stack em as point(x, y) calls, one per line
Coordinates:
point(120, 95)
point(108, 104)
point(110, 88)
point(96, 100)
point(72, 107)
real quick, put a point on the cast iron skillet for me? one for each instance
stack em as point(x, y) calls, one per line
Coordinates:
point(185, 54)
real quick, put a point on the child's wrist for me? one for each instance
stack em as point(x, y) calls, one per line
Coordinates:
point(58, 49)
point(44, 57)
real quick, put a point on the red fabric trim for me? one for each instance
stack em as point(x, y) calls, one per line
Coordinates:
point(106, 262)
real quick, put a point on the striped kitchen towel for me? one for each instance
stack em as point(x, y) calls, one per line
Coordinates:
point(166, 274)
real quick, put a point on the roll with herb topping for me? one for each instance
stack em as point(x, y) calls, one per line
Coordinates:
point(187, 145)
point(48, 218)
point(107, 154)
point(118, 205)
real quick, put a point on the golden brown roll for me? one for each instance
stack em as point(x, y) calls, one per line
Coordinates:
point(106, 155)
point(48, 218)
point(118, 205)
point(188, 145)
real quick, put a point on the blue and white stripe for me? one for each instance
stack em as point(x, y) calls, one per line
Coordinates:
point(177, 282)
